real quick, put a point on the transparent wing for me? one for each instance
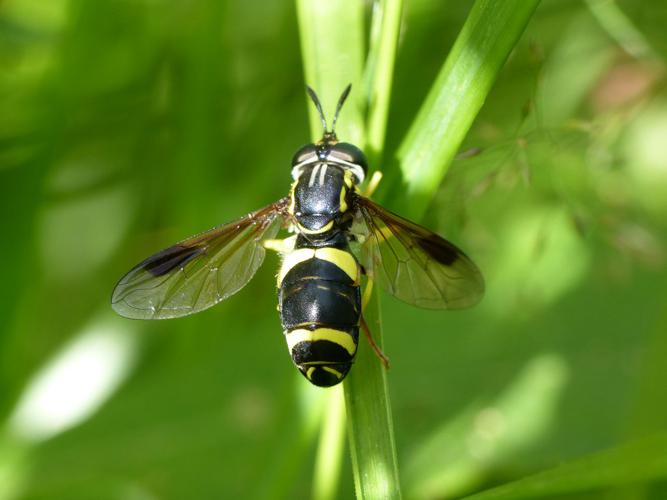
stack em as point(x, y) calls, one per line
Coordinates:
point(198, 272)
point(412, 263)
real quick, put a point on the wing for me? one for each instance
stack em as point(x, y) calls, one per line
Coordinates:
point(198, 272)
point(413, 264)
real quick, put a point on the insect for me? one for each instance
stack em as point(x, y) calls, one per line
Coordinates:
point(319, 281)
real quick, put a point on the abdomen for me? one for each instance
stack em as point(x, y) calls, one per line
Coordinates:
point(320, 305)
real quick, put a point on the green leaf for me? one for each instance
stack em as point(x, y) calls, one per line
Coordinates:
point(330, 451)
point(385, 27)
point(486, 40)
point(372, 443)
point(457, 457)
point(332, 48)
point(641, 461)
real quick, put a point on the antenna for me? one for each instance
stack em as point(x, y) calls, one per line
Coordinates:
point(318, 105)
point(341, 101)
point(316, 100)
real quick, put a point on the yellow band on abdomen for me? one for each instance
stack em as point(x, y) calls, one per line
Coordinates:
point(340, 258)
point(338, 337)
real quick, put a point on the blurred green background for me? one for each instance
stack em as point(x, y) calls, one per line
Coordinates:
point(126, 125)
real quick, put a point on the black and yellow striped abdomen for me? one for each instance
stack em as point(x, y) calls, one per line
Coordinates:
point(320, 305)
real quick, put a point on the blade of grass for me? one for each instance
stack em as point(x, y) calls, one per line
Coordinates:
point(330, 451)
point(385, 27)
point(486, 40)
point(641, 461)
point(332, 47)
point(287, 467)
point(459, 455)
point(614, 21)
point(371, 429)
point(372, 443)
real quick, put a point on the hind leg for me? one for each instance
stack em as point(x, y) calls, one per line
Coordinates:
point(364, 326)
point(376, 348)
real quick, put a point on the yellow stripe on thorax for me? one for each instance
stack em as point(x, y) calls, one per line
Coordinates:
point(292, 201)
point(343, 339)
point(347, 185)
point(340, 258)
point(342, 202)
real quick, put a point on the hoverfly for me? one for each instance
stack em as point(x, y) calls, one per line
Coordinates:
point(319, 279)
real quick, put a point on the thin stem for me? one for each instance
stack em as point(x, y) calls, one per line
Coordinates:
point(333, 57)
point(385, 28)
point(329, 456)
point(614, 21)
point(332, 49)
point(373, 448)
point(486, 40)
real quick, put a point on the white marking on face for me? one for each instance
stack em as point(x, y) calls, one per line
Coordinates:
point(296, 172)
point(297, 169)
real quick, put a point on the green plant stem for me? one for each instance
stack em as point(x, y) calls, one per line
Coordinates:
point(486, 40)
point(332, 40)
point(371, 429)
point(332, 48)
point(634, 463)
point(385, 28)
point(332, 56)
point(614, 21)
point(329, 456)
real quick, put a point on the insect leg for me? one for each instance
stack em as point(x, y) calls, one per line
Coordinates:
point(372, 184)
point(368, 291)
point(378, 352)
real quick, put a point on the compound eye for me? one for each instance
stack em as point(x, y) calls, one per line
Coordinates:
point(350, 154)
point(307, 152)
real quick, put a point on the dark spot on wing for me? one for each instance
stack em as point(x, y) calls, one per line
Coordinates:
point(439, 249)
point(169, 259)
